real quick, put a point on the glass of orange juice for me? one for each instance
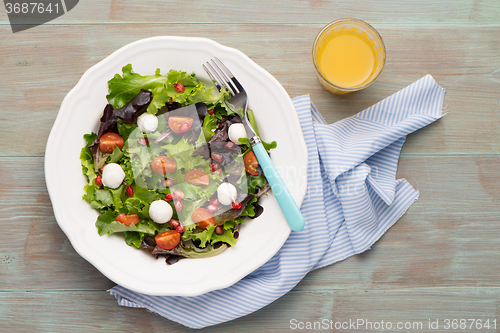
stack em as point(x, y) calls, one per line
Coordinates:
point(348, 55)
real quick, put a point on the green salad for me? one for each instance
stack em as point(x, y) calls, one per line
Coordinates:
point(170, 168)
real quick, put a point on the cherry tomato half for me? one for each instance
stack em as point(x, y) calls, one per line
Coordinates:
point(197, 177)
point(251, 163)
point(167, 240)
point(163, 165)
point(203, 218)
point(108, 142)
point(128, 219)
point(180, 124)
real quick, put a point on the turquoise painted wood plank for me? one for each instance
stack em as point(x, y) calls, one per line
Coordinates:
point(34, 252)
point(282, 11)
point(37, 74)
point(75, 311)
point(449, 238)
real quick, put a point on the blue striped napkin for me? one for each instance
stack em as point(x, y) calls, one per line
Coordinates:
point(352, 199)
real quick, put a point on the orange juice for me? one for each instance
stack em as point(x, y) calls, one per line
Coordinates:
point(348, 55)
point(347, 59)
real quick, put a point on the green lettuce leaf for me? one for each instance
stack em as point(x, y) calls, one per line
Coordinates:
point(115, 156)
point(89, 190)
point(204, 236)
point(86, 158)
point(249, 208)
point(252, 121)
point(125, 129)
point(139, 203)
point(133, 238)
point(226, 237)
point(255, 181)
point(117, 195)
point(209, 125)
point(121, 89)
point(106, 224)
point(102, 199)
point(207, 96)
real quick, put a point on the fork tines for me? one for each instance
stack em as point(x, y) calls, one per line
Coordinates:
point(219, 73)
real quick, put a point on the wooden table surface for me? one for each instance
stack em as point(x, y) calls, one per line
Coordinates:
point(440, 261)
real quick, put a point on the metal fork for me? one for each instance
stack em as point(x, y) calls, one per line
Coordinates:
point(222, 77)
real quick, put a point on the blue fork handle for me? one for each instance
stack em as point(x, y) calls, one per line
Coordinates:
point(290, 209)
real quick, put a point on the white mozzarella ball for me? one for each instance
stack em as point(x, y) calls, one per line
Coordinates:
point(112, 175)
point(237, 131)
point(227, 194)
point(147, 122)
point(160, 211)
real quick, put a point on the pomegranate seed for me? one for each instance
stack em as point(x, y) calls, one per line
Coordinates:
point(230, 145)
point(178, 205)
point(178, 194)
point(215, 166)
point(180, 229)
point(98, 180)
point(169, 182)
point(179, 87)
point(101, 169)
point(214, 202)
point(212, 208)
point(143, 141)
point(217, 157)
point(169, 197)
point(218, 230)
point(174, 223)
point(130, 190)
point(170, 101)
point(211, 111)
point(219, 172)
point(236, 205)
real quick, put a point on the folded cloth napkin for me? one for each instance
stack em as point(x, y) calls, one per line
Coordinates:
point(352, 198)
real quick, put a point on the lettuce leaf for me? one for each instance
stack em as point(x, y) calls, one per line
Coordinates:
point(117, 195)
point(87, 159)
point(106, 224)
point(209, 236)
point(134, 238)
point(255, 181)
point(139, 203)
point(204, 236)
point(207, 96)
point(249, 208)
point(115, 156)
point(226, 237)
point(122, 88)
point(125, 129)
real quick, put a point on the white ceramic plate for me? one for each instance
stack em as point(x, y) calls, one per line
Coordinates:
point(136, 269)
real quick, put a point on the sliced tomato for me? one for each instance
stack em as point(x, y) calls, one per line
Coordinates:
point(251, 163)
point(108, 142)
point(128, 219)
point(203, 218)
point(180, 124)
point(163, 165)
point(197, 177)
point(167, 240)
